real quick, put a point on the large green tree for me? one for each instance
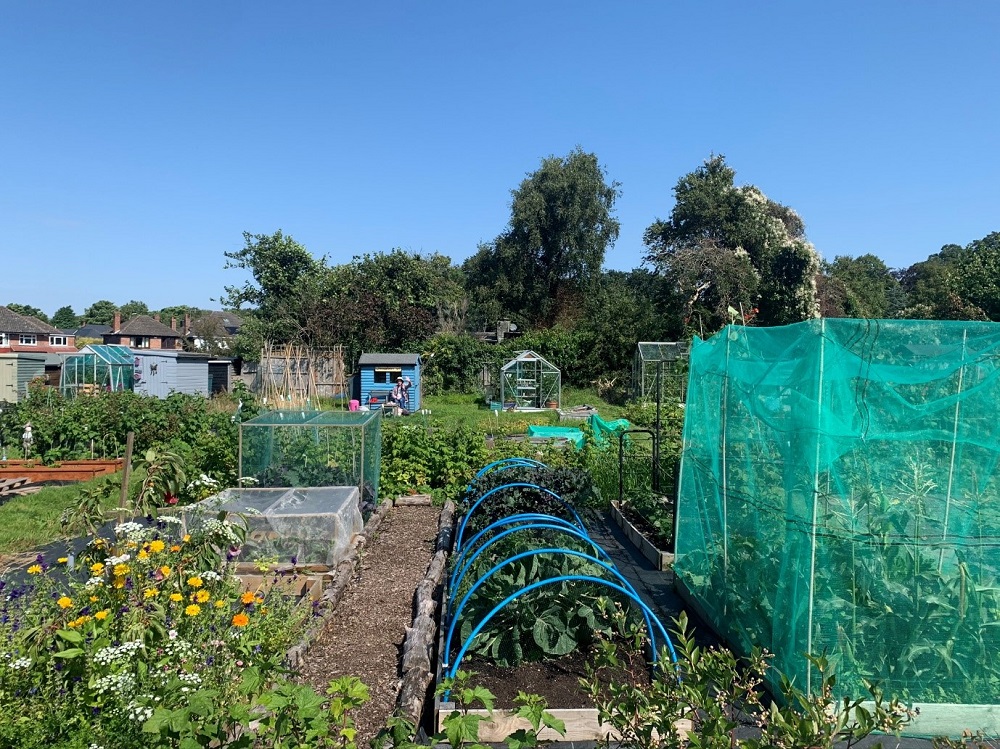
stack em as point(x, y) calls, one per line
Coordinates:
point(957, 283)
point(730, 248)
point(861, 286)
point(132, 308)
point(28, 311)
point(561, 225)
point(101, 312)
point(65, 318)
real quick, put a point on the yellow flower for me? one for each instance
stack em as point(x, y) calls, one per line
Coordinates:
point(150, 593)
point(186, 538)
point(119, 581)
point(99, 542)
point(102, 615)
point(65, 602)
point(219, 604)
point(176, 597)
point(193, 610)
point(247, 598)
point(121, 569)
point(78, 621)
point(195, 582)
point(175, 547)
point(165, 571)
point(97, 568)
point(35, 569)
point(73, 623)
point(202, 595)
point(93, 599)
point(156, 546)
point(62, 560)
point(241, 620)
point(142, 554)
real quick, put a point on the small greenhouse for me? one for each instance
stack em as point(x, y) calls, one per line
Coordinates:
point(98, 368)
point(530, 382)
point(294, 449)
point(660, 369)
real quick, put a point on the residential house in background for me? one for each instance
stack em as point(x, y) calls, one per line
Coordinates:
point(144, 332)
point(29, 349)
point(212, 331)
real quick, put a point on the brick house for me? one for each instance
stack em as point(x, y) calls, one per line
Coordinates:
point(23, 334)
point(144, 332)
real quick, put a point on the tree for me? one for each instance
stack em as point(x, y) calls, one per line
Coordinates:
point(561, 226)
point(133, 308)
point(957, 283)
point(732, 247)
point(28, 311)
point(101, 313)
point(864, 285)
point(65, 318)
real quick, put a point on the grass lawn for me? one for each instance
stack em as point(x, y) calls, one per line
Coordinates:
point(33, 520)
point(473, 412)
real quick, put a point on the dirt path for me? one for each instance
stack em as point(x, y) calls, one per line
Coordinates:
point(364, 637)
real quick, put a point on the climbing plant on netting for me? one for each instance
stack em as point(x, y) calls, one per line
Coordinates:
point(840, 494)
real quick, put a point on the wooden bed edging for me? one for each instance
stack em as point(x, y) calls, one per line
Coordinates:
point(418, 647)
point(341, 575)
point(662, 560)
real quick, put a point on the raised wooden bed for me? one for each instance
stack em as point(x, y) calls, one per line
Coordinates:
point(662, 560)
point(67, 470)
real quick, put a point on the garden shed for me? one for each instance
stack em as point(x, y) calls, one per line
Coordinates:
point(98, 368)
point(377, 374)
point(160, 372)
point(16, 371)
point(839, 494)
point(659, 370)
point(529, 382)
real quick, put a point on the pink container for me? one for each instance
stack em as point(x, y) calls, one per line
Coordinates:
point(354, 405)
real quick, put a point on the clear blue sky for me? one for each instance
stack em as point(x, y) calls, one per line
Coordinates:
point(139, 140)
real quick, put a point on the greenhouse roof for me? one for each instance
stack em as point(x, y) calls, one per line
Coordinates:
point(111, 353)
point(312, 418)
point(529, 356)
point(665, 351)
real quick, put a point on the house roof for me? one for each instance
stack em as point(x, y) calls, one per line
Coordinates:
point(92, 330)
point(388, 359)
point(12, 322)
point(146, 326)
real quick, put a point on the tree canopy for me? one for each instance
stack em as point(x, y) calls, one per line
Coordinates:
point(27, 310)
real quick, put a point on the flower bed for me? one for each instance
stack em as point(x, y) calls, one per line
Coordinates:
point(662, 560)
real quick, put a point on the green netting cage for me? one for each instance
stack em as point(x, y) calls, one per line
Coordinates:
point(840, 495)
point(98, 368)
point(659, 371)
point(289, 449)
point(529, 382)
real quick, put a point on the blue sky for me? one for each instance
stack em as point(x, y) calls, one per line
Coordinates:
point(139, 140)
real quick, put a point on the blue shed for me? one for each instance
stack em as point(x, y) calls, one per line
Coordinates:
point(160, 372)
point(377, 374)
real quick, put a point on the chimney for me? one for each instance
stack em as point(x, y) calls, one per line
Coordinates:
point(156, 317)
point(187, 323)
point(117, 325)
point(173, 323)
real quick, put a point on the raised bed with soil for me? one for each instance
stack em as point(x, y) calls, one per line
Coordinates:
point(641, 538)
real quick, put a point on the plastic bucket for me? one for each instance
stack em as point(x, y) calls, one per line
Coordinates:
point(354, 405)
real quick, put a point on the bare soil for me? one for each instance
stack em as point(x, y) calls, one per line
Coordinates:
point(364, 637)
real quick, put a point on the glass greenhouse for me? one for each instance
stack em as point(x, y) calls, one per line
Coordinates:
point(98, 368)
point(840, 495)
point(288, 449)
point(530, 382)
point(660, 368)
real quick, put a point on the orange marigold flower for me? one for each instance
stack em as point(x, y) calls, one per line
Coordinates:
point(241, 620)
point(65, 602)
point(175, 547)
point(247, 598)
point(193, 610)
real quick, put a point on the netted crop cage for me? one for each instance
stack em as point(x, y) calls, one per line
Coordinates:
point(528, 381)
point(840, 495)
point(313, 448)
point(527, 581)
point(98, 368)
point(307, 526)
point(659, 371)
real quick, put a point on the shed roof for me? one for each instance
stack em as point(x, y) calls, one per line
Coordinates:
point(388, 359)
point(146, 325)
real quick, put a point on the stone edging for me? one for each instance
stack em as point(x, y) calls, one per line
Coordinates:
point(418, 647)
point(662, 560)
point(331, 596)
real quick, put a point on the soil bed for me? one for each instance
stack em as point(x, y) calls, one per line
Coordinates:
point(556, 680)
point(364, 636)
